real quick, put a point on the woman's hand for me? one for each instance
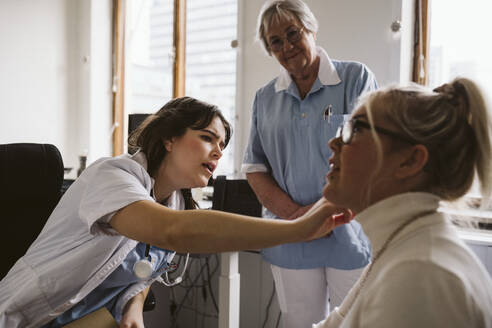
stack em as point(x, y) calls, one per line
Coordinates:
point(133, 318)
point(323, 217)
point(133, 313)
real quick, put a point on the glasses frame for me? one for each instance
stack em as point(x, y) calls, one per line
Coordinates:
point(353, 123)
point(282, 40)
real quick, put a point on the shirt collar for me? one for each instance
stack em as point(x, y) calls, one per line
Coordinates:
point(141, 159)
point(327, 74)
point(380, 220)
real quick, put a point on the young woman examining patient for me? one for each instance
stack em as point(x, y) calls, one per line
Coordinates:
point(403, 151)
point(84, 258)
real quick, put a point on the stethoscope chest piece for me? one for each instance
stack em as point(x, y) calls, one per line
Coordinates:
point(143, 269)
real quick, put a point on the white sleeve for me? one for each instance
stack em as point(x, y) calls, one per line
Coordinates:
point(255, 159)
point(110, 186)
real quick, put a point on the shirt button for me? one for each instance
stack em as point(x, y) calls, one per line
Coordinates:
point(303, 115)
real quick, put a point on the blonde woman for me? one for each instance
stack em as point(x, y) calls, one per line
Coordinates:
point(403, 151)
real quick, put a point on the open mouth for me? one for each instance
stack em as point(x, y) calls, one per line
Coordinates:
point(210, 167)
point(333, 169)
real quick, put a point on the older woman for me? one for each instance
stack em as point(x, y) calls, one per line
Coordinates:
point(403, 151)
point(286, 158)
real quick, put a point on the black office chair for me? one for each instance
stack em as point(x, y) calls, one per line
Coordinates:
point(31, 177)
point(235, 196)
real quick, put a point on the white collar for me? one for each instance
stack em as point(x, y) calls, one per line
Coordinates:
point(327, 72)
point(140, 158)
point(380, 220)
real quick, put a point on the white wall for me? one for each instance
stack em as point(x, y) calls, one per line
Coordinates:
point(101, 96)
point(34, 66)
point(55, 82)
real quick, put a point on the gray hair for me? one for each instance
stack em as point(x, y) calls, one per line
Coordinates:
point(452, 121)
point(281, 10)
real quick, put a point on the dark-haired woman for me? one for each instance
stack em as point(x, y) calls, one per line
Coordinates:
point(85, 255)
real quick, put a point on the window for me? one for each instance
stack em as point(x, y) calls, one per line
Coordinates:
point(210, 61)
point(150, 55)
point(458, 46)
point(458, 43)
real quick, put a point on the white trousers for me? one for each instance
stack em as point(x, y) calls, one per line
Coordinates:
point(305, 296)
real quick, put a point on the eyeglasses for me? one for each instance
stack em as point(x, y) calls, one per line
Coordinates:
point(294, 35)
point(347, 129)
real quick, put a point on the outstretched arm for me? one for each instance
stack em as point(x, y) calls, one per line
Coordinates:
point(207, 231)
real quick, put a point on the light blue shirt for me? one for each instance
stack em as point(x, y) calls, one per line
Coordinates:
point(107, 293)
point(289, 138)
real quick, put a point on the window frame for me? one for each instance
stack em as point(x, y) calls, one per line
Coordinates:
point(421, 43)
point(179, 63)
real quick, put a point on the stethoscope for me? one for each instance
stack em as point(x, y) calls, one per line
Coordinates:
point(143, 270)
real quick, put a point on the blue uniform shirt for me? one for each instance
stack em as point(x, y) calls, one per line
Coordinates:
point(106, 294)
point(289, 138)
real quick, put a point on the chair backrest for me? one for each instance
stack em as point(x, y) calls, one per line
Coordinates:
point(31, 176)
point(235, 196)
point(134, 120)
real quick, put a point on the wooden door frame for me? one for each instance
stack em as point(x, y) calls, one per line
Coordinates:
point(118, 75)
point(421, 42)
point(179, 48)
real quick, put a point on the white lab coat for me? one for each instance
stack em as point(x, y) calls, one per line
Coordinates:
point(77, 249)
